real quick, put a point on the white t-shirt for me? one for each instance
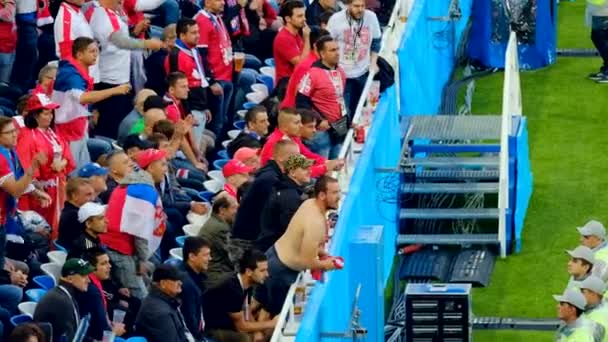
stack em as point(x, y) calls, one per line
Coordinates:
point(70, 24)
point(355, 40)
point(114, 62)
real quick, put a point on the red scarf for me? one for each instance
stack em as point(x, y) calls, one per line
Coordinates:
point(97, 284)
point(84, 73)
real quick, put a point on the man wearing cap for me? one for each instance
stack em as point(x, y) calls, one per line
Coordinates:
point(58, 306)
point(97, 177)
point(580, 265)
point(593, 235)
point(236, 174)
point(593, 289)
point(159, 319)
point(575, 328)
point(93, 216)
point(136, 221)
point(285, 200)
point(248, 156)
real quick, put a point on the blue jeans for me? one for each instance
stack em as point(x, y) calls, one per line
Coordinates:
point(10, 297)
point(219, 107)
point(322, 144)
point(352, 93)
point(6, 66)
point(167, 13)
point(252, 62)
point(246, 79)
point(26, 56)
point(195, 176)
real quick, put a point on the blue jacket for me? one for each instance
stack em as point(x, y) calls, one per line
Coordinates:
point(192, 300)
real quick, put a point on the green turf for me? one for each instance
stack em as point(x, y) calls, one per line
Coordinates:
point(567, 140)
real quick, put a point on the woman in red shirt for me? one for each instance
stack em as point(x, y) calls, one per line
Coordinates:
point(39, 136)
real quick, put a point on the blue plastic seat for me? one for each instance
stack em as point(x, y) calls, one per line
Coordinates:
point(240, 124)
point(172, 262)
point(269, 62)
point(219, 164)
point(137, 339)
point(249, 105)
point(119, 339)
point(45, 282)
point(206, 195)
point(59, 247)
point(180, 240)
point(20, 319)
point(35, 295)
point(268, 81)
point(223, 154)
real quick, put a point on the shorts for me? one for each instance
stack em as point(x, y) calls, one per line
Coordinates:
point(273, 292)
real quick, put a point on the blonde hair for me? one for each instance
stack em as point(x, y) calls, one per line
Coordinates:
point(141, 98)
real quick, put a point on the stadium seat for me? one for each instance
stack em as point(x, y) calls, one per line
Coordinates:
point(59, 247)
point(180, 240)
point(176, 253)
point(45, 282)
point(239, 124)
point(173, 262)
point(35, 295)
point(58, 257)
point(52, 269)
point(260, 88)
point(233, 133)
point(219, 164)
point(27, 308)
point(269, 62)
point(206, 195)
point(137, 339)
point(191, 229)
point(20, 319)
point(213, 185)
point(217, 175)
point(223, 154)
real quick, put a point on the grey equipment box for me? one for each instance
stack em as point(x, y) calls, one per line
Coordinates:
point(438, 312)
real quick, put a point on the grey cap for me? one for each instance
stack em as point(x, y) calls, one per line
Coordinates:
point(572, 296)
point(582, 252)
point(593, 228)
point(594, 284)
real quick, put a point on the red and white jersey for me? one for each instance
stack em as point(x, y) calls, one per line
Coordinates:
point(134, 9)
point(70, 24)
point(44, 14)
point(114, 62)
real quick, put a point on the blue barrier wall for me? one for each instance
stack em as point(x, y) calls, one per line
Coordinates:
point(426, 60)
point(426, 55)
point(370, 202)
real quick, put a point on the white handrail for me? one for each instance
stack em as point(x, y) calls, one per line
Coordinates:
point(511, 105)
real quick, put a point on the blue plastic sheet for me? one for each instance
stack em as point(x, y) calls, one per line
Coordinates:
point(427, 54)
point(534, 22)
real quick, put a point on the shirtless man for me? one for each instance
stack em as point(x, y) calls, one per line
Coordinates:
point(301, 246)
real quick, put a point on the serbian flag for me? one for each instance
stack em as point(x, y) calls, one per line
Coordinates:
point(140, 214)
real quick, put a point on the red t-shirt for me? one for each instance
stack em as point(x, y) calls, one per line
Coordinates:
point(286, 46)
point(214, 36)
point(299, 72)
point(5, 171)
point(187, 65)
point(325, 88)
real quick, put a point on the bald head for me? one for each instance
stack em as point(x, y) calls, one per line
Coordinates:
point(141, 98)
point(284, 149)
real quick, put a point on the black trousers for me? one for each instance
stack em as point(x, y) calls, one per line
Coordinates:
point(111, 111)
point(599, 37)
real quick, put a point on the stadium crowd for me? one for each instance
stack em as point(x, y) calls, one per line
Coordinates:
point(164, 164)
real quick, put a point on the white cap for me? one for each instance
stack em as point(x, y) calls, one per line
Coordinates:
point(89, 210)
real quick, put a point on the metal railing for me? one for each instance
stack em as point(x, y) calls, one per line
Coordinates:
point(511, 105)
point(391, 38)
